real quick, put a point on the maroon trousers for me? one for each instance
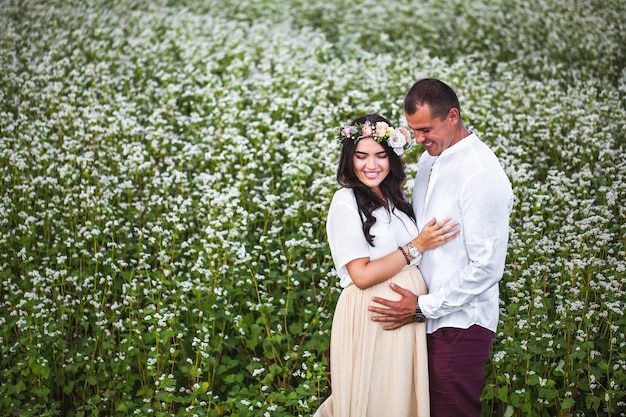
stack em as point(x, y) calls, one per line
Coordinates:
point(456, 365)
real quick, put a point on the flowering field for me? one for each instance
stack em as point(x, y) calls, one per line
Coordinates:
point(166, 167)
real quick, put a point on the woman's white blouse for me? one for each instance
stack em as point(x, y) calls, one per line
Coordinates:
point(345, 233)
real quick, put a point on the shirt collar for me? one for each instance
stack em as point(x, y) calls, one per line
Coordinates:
point(461, 145)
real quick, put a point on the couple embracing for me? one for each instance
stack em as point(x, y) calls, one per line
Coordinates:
point(416, 318)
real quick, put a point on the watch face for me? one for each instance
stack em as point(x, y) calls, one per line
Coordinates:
point(419, 318)
point(415, 252)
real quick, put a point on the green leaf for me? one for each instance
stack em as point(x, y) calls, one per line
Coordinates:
point(567, 403)
point(17, 388)
point(295, 328)
point(533, 380)
point(503, 394)
point(592, 402)
point(68, 387)
point(145, 391)
point(40, 369)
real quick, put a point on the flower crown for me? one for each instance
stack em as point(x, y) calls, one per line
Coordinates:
point(398, 139)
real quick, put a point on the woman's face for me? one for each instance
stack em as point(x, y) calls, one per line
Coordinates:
point(371, 163)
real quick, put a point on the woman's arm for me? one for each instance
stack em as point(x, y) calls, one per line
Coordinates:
point(366, 273)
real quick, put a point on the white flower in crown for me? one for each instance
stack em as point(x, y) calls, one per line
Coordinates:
point(398, 139)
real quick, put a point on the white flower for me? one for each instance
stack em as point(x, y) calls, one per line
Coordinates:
point(397, 139)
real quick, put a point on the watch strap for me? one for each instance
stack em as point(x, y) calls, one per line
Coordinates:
point(418, 317)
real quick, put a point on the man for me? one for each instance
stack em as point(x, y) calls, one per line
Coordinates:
point(460, 177)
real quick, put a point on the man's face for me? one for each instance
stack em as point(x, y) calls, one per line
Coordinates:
point(435, 134)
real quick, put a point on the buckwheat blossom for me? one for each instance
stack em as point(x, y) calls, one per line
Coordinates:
point(167, 172)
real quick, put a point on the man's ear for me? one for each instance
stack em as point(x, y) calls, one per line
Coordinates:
point(453, 115)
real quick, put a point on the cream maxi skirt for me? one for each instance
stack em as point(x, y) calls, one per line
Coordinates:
point(376, 372)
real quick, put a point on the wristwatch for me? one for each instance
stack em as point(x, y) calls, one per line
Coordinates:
point(418, 317)
point(414, 252)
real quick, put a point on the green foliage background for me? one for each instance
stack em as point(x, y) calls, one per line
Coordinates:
point(166, 169)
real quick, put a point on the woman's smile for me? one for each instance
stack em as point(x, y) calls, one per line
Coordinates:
point(371, 163)
point(372, 174)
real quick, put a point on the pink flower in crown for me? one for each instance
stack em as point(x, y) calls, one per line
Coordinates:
point(407, 135)
point(366, 131)
point(346, 131)
point(381, 129)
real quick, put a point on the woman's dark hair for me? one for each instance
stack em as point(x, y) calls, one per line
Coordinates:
point(392, 186)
